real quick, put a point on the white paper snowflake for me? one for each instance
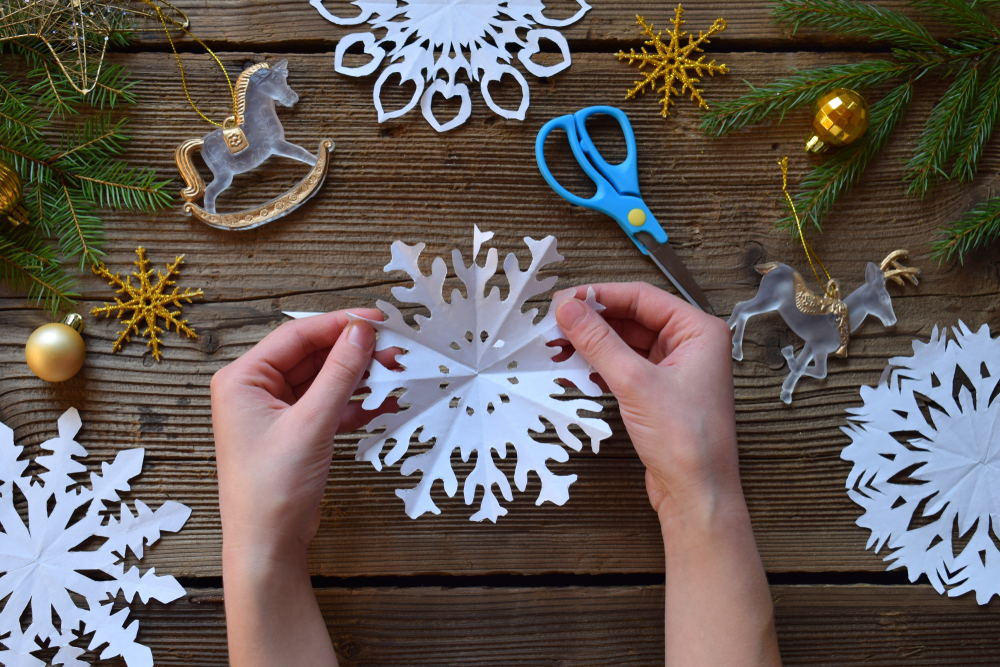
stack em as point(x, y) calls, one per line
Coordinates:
point(477, 375)
point(432, 37)
point(42, 566)
point(926, 454)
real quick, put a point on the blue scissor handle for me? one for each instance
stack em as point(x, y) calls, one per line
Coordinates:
point(625, 176)
point(617, 185)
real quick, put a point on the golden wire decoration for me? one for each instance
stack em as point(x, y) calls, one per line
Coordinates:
point(147, 302)
point(672, 61)
point(77, 32)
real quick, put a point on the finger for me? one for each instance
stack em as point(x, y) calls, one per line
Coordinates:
point(673, 318)
point(356, 416)
point(282, 350)
point(604, 349)
point(326, 399)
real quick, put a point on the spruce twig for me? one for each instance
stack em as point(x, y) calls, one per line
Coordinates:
point(976, 228)
point(955, 133)
point(824, 185)
point(68, 173)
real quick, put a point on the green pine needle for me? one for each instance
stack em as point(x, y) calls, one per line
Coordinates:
point(824, 184)
point(981, 121)
point(801, 88)
point(955, 133)
point(29, 265)
point(942, 132)
point(962, 15)
point(70, 171)
point(976, 228)
point(856, 19)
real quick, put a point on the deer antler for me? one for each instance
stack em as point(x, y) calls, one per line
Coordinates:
point(897, 271)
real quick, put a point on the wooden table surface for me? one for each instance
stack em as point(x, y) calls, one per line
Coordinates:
point(574, 585)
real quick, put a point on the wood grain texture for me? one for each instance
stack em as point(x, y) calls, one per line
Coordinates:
point(296, 26)
point(890, 626)
point(717, 198)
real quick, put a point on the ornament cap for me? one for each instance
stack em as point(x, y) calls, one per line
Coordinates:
point(74, 322)
point(816, 145)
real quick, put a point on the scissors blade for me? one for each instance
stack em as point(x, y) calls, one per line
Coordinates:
point(668, 261)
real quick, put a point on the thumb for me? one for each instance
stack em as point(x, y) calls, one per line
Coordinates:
point(601, 346)
point(327, 397)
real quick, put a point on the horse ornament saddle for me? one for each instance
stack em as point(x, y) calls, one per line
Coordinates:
point(248, 138)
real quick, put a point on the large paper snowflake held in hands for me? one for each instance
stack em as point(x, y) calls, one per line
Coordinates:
point(477, 376)
point(435, 37)
point(41, 565)
point(926, 453)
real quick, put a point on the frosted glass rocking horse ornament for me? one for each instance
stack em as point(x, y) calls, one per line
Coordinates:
point(824, 321)
point(247, 139)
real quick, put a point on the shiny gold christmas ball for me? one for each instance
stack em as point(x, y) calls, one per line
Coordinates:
point(10, 189)
point(839, 117)
point(55, 351)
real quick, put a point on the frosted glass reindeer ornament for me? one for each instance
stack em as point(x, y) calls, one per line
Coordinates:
point(246, 140)
point(825, 322)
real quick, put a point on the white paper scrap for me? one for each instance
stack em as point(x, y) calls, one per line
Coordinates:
point(477, 375)
point(926, 453)
point(39, 563)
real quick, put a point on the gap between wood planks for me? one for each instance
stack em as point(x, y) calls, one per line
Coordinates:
point(610, 580)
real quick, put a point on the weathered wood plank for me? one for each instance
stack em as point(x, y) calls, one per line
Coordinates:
point(718, 199)
point(817, 625)
point(295, 25)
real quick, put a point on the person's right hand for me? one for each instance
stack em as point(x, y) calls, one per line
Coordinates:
point(669, 365)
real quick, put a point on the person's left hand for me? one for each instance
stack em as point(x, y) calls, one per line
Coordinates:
point(275, 412)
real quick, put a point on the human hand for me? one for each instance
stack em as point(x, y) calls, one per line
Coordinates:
point(669, 365)
point(275, 412)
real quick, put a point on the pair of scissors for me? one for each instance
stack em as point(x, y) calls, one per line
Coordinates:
point(618, 195)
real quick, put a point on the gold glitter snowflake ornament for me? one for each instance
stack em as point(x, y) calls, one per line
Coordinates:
point(672, 61)
point(147, 302)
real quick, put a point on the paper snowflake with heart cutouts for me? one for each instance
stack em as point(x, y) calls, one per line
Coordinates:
point(477, 376)
point(43, 565)
point(431, 38)
point(926, 454)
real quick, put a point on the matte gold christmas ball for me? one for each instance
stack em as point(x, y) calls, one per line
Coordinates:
point(839, 117)
point(55, 351)
point(10, 189)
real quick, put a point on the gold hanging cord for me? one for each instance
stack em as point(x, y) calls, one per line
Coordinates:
point(810, 253)
point(163, 19)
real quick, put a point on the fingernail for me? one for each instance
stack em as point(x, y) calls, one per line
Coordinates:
point(361, 335)
point(571, 312)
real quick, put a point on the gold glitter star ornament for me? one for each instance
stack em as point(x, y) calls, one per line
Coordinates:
point(147, 302)
point(673, 62)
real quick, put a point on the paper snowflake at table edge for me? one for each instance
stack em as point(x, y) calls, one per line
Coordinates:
point(128, 532)
point(394, 332)
point(410, 57)
point(671, 62)
point(919, 391)
point(149, 312)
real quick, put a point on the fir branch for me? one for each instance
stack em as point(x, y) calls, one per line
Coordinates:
point(976, 228)
point(942, 131)
point(856, 19)
point(115, 184)
point(27, 264)
point(17, 119)
point(82, 232)
point(962, 15)
point(828, 181)
point(791, 92)
point(979, 125)
point(98, 137)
